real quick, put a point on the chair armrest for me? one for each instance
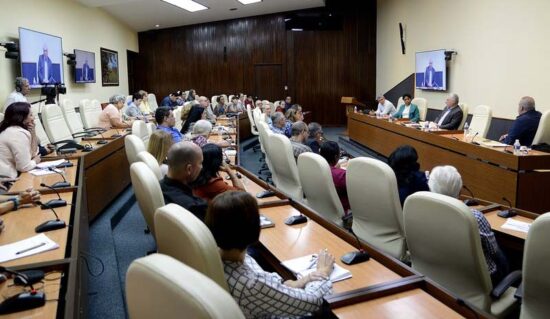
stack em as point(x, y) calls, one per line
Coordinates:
point(512, 278)
point(98, 129)
point(63, 142)
point(83, 134)
point(519, 292)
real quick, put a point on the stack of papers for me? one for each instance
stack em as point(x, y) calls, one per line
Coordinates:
point(490, 143)
point(516, 225)
point(27, 247)
point(265, 222)
point(302, 266)
point(50, 163)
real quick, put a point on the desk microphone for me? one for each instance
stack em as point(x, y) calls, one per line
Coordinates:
point(507, 150)
point(117, 133)
point(355, 257)
point(52, 203)
point(67, 163)
point(88, 147)
point(470, 201)
point(454, 137)
point(474, 138)
point(103, 141)
point(62, 184)
point(52, 224)
point(510, 212)
point(24, 300)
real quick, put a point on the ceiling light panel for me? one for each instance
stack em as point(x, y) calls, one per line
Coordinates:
point(188, 5)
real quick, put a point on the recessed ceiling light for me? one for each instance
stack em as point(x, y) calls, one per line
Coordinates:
point(249, 1)
point(188, 5)
point(157, 25)
point(296, 29)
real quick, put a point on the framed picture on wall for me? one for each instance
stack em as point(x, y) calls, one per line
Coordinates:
point(109, 67)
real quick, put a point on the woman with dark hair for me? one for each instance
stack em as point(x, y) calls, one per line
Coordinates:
point(196, 113)
point(330, 151)
point(404, 162)
point(408, 110)
point(234, 220)
point(210, 183)
point(18, 141)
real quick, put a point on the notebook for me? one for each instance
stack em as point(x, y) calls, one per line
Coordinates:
point(302, 266)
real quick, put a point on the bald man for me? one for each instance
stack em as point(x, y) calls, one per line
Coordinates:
point(526, 124)
point(184, 166)
point(203, 101)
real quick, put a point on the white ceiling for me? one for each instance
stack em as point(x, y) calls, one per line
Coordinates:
point(142, 15)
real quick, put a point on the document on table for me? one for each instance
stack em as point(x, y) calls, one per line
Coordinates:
point(42, 172)
point(265, 222)
point(26, 247)
point(50, 163)
point(490, 143)
point(302, 266)
point(516, 225)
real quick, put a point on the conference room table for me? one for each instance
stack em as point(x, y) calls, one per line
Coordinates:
point(27, 180)
point(491, 173)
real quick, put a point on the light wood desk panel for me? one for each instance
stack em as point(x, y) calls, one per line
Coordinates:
point(27, 180)
point(288, 242)
point(51, 290)
point(497, 222)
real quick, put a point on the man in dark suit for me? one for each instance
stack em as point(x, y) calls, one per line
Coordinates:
point(86, 74)
point(526, 124)
point(429, 75)
point(451, 116)
point(44, 66)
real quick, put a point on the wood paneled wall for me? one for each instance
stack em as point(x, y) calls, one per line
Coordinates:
point(258, 56)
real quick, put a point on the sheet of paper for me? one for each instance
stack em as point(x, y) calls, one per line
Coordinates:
point(50, 163)
point(302, 266)
point(516, 225)
point(41, 172)
point(26, 247)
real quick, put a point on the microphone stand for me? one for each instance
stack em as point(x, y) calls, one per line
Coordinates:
point(50, 224)
point(510, 212)
point(62, 184)
point(355, 257)
point(103, 141)
point(470, 201)
point(53, 202)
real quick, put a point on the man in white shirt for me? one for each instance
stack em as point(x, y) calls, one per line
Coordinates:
point(385, 107)
point(22, 88)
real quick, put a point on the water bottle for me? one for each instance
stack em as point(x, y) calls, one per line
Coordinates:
point(517, 147)
point(466, 130)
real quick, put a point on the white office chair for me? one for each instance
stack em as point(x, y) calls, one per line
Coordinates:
point(536, 262)
point(284, 166)
point(38, 127)
point(374, 201)
point(543, 131)
point(214, 102)
point(399, 103)
point(56, 127)
point(151, 127)
point(444, 243)
point(258, 117)
point(422, 107)
point(276, 105)
point(1, 117)
point(264, 136)
point(253, 127)
point(481, 120)
point(133, 145)
point(159, 286)
point(177, 115)
point(90, 112)
point(139, 129)
point(230, 98)
point(148, 192)
point(152, 99)
point(73, 120)
point(464, 108)
point(181, 235)
point(318, 185)
point(151, 162)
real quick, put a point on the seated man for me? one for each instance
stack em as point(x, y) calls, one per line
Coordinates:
point(298, 136)
point(385, 107)
point(315, 136)
point(451, 116)
point(278, 122)
point(209, 112)
point(331, 152)
point(526, 124)
point(408, 110)
point(22, 88)
point(184, 166)
point(166, 122)
point(447, 181)
point(171, 100)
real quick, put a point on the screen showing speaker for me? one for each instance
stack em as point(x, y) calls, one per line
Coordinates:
point(84, 71)
point(41, 58)
point(431, 70)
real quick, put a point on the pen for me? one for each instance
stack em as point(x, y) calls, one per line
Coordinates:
point(313, 261)
point(30, 248)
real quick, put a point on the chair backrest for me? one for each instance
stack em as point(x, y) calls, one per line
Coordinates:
point(536, 262)
point(481, 120)
point(54, 123)
point(177, 115)
point(90, 112)
point(1, 117)
point(73, 120)
point(151, 162)
point(151, 128)
point(464, 108)
point(214, 102)
point(133, 145)
point(543, 131)
point(152, 100)
point(230, 98)
point(284, 166)
point(444, 243)
point(265, 136)
point(258, 117)
point(139, 129)
point(374, 201)
point(399, 102)
point(318, 185)
point(159, 286)
point(422, 107)
point(38, 127)
point(148, 192)
point(253, 127)
point(276, 105)
point(185, 237)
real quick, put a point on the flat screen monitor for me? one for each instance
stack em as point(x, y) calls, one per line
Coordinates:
point(41, 58)
point(84, 71)
point(431, 70)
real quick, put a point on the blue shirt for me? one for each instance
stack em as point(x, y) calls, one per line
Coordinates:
point(277, 130)
point(524, 128)
point(176, 135)
point(167, 102)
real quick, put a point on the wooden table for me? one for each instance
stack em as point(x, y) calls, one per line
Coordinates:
point(107, 135)
point(491, 173)
point(28, 180)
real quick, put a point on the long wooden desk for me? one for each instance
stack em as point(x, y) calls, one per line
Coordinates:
point(27, 180)
point(491, 173)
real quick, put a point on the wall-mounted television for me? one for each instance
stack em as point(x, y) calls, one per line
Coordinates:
point(41, 57)
point(84, 71)
point(431, 70)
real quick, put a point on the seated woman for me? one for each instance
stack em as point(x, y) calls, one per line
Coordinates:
point(293, 114)
point(404, 162)
point(110, 116)
point(201, 132)
point(18, 141)
point(133, 111)
point(220, 108)
point(144, 107)
point(209, 183)
point(267, 113)
point(159, 144)
point(408, 110)
point(10, 203)
point(234, 220)
point(447, 181)
point(331, 152)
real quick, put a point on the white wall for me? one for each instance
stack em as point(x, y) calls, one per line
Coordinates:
point(502, 45)
point(80, 27)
